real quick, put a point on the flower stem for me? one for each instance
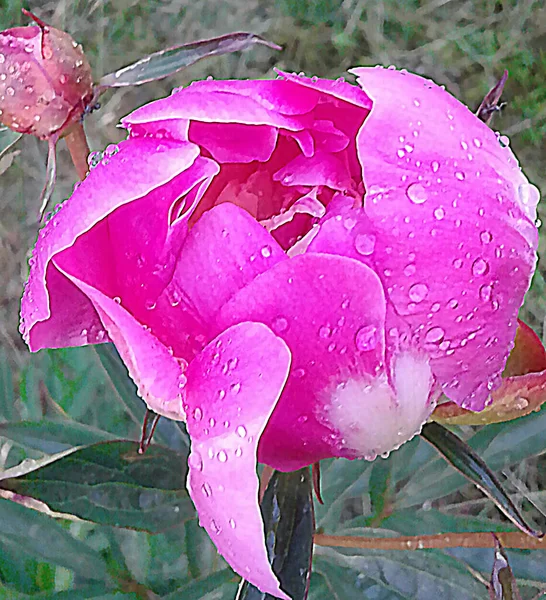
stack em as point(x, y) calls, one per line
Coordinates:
point(482, 539)
point(79, 149)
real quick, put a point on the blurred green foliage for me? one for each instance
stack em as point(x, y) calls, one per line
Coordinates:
point(60, 399)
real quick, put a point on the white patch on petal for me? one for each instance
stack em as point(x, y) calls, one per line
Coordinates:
point(372, 418)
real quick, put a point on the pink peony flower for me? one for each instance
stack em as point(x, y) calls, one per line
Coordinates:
point(45, 80)
point(296, 268)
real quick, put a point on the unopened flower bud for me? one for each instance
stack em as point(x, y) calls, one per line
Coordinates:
point(45, 80)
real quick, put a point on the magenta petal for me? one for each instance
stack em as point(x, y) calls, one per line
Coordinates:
point(330, 310)
point(323, 168)
point(456, 243)
point(225, 250)
point(233, 142)
point(338, 89)
point(157, 374)
point(137, 162)
point(204, 103)
point(233, 386)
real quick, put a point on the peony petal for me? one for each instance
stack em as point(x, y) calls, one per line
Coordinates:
point(455, 248)
point(337, 89)
point(233, 142)
point(233, 386)
point(330, 310)
point(224, 251)
point(211, 103)
point(147, 170)
point(323, 168)
point(157, 374)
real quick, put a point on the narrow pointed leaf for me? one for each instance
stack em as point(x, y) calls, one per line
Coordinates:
point(167, 62)
point(111, 484)
point(469, 464)
point(503, 583)
point(289, 523)
point(490, 104)
point(52, 437)
point(8, 139)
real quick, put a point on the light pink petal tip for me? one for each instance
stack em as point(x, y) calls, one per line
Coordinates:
point(233, 386)
point(455, 237)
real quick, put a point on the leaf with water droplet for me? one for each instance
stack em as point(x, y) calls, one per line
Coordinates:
point(167, 62)
point(110, 483)
point(289, 524)
point(461, 456)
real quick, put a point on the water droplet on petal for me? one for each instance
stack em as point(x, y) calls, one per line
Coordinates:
point(459, 175)
point(485, 237)
point(458, 263)
point(417, 193)
point(365, 244)
point(439, 213)
point(215, 527)
point(222, 456)
point(485, 292)
point(241, 431)
point(206, 490)
point(279, 324)
point(195, 460)
point(366, 338)
point(480, 267)
point(325, 332)
point(235, 388)
point(434, 335)
point(197, 414)
point(266, 251)
point(410, 270)
point(418, 292)
point(232, 523)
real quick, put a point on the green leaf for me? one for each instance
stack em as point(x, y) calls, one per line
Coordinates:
point(52, 437)
point(500, 445)
point(7, 396)
point(503, 584)
point(395, 575)
point(467, 462)
point(170, 433)
point(167, 62)
point(221, 583)
point(111, 484)
point(91, 592)
point(8, 138)
point(380, 478)
point(287, 510)
point(42, 537)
